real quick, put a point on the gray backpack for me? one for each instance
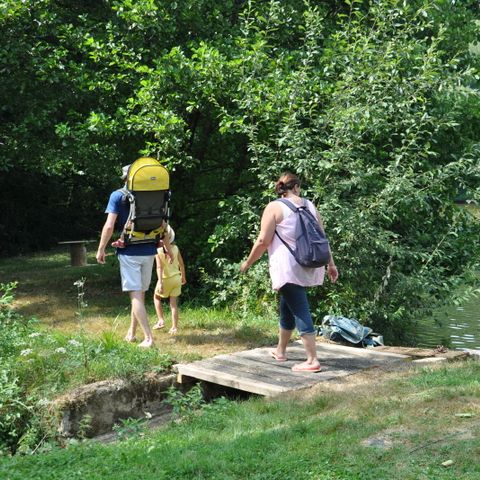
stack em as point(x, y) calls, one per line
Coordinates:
point(312, 249)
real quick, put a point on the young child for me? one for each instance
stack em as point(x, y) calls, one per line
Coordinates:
point(171, 277)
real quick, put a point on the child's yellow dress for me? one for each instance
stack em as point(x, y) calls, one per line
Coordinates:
point(171, 275)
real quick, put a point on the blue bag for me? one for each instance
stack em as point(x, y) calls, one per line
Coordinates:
point(312, 249)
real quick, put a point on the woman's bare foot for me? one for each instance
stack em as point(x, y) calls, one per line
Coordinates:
point(172, 331)
point(307, 367)
point(130, 338)
point(160, 324)
point(279, 357)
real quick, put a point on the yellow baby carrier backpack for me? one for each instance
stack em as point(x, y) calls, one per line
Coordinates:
point(147, 189)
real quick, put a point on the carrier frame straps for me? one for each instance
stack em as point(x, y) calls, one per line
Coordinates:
point(131, 214)
point(140, 237)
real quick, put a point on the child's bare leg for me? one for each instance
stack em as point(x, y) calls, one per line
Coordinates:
point(174, 310)
point(157, 301)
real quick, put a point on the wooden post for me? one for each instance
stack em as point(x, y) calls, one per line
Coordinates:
point(78, 252)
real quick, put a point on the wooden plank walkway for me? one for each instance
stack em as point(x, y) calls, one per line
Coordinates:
point(255, 371)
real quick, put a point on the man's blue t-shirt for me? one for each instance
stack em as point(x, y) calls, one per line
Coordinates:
point(116, 204)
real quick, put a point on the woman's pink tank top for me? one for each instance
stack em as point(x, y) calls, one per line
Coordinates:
point(283, 266)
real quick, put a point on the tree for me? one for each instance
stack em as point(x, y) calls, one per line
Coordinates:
point(373, 103)
point(377, 117)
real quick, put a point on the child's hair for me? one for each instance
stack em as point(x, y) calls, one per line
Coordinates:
point(171, 233)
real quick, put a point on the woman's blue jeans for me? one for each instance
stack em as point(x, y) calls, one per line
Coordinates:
point(294, 309)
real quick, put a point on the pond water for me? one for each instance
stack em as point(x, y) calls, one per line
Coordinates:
point(453, 327)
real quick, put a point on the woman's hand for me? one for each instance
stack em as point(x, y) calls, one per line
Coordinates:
point(244, 267)
point(332, 272)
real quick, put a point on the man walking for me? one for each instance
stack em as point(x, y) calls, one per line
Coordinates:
point(136, 263)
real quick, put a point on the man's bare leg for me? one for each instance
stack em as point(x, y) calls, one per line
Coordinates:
point(132, 330)
point(139, 313)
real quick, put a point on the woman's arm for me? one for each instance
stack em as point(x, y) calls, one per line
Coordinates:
point(331, 267)
point(270, 217)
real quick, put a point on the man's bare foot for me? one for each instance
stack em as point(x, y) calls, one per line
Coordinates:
point(172, 331)
point(130, 338)
point(158, 325)
point(146, 343)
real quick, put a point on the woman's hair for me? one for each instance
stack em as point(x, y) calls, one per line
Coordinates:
point(287, 181)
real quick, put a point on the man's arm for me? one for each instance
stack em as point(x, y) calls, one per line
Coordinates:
point(107, 232)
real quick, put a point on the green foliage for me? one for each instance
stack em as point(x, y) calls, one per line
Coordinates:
point(246, 295)
point(36, 366)
point(15, 405)
point(372, 118)
point(84, 426)
point(129, 428)
point(374, 104)
point(184, 404)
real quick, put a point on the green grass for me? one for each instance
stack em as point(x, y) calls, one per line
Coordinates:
point(399, 427)
point(47, 292)
point(60, 333)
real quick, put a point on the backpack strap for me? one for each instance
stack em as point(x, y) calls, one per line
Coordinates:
point(294, 209)
point(126, 194)
point(291, 205)
point(303, 207)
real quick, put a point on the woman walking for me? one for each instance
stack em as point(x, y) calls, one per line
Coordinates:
point(288, 277)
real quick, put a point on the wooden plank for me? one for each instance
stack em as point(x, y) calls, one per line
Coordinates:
point(409, 351)
point(229, 380)
point(296, 353)
point(271, 374)
point(255, 371)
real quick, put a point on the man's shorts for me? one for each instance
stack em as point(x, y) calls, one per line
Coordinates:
point(172, 287)
point(136, 272)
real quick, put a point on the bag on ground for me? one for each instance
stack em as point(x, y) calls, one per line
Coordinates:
point(312, 249)
point(337, 328)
